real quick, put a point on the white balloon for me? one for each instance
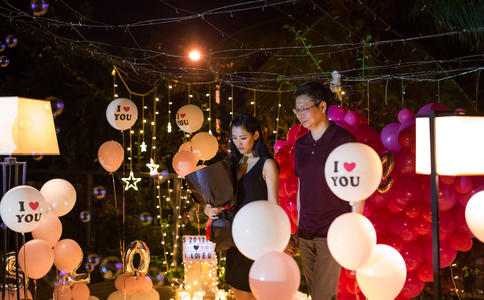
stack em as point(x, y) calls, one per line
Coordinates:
point(122, 113)
point(274, 273)
point(189, 118)
point(475, 215)
point(384, 274)
point(22, 208)
point(204, 145)
point(150, 295)
point(353, 171)
point(260, 227)
point(300, 296)
point(60, 194)
point(118, 295)
point(351, 239)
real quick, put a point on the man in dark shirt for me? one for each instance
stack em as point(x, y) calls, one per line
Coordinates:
point(317, 205)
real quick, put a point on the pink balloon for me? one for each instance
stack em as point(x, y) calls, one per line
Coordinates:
point(35, 258)
point(463, 184)
point(274, 273)
point(424, 110)
point(185, 147)
point(278, 144)
point(389, 136)
point(343, 124)
point(62, 292)
point(184, 162)
point(405, 115)
point(80, 291)
point(50, 230)
point(110, 156)
point(351, 118)
point(67, 255)
point(335, 113)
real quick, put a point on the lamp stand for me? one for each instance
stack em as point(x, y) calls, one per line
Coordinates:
point(11, 177)
point(434, 190)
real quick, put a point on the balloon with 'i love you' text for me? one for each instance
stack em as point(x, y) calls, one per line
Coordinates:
point(353, 171)
point(189, 118)
point(22, 208)
point(122, 113)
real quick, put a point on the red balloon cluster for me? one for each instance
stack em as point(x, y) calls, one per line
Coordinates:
point(402, 216)
point(348, 287)
point(288, 183)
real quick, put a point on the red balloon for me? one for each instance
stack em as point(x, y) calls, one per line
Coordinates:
point(447, 253)
point(278, 144)
point(413, 210)
point(351, 118)
point(290, 186)
point(352, 287)
point(342, 124)
point(460, 221)
point(293, 228)
point(405, 162)
point(379, 219)
point(349, 273)
point(413, 286)
point(285, 160)
point(425, 272)
point(379, 200)
point(463, 184)
point(426, 213)
point(464, 198)
point(405, 191)
point(447, 179)
point(402, 226)
point(368, 135)
point(393, 208)
point(391, 240)
point(412, 254)
point(460, 241)
point(422, 226)
point(295, 132)
point(335, 113)
point(406, 135)
point(449, 198)
point(446, 225)
point(282, 191)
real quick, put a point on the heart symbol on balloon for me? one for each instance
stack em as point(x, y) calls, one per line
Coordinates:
point(182, 115)
point(126, 108)
point(196, 247)
point(34, 205)
point(349, 166)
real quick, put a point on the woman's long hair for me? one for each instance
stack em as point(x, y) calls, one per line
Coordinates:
point(249, 123)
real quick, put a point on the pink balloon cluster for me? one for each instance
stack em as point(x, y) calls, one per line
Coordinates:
point(76, 291)
point(134, 287)
point(288, 183)
point(402, 216)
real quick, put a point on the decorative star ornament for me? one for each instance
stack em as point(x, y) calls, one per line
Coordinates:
point(153, 167)
point(131, 181)
point(143, 146)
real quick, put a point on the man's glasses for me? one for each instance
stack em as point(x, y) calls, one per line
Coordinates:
point(304, 110)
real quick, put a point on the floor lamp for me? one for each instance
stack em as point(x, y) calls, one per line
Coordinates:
point(447, 144)
point(26, 128)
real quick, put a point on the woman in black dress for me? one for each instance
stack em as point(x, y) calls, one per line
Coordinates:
point(257, 179)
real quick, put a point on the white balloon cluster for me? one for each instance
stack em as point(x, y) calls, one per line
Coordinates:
point(353, 172)
point(261, 231)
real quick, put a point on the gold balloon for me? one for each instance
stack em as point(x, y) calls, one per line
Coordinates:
point(386, 180)
point(137, 247)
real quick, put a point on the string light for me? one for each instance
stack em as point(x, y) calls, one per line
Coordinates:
point(278, 114)
point(169, 108)
point(143, 144)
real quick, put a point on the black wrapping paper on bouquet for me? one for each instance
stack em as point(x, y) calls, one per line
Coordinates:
point(215, 185)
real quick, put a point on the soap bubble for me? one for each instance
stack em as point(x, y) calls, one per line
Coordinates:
point(99, 192)
point(39, 7)
point(56, 104)
point(4, 61)
point(110, 267)
point(85, 216)
point(11, 41)
point(145, 218)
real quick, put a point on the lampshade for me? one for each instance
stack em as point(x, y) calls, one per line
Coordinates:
point(27, 127)
point(459, 145)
